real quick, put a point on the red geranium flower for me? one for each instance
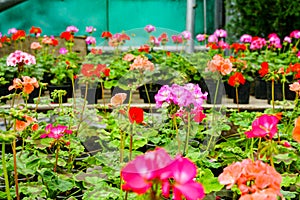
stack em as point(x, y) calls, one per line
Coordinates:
point(20, 34)
point(144, 48)
point(264, 69)
point(106, 35)
point(54, 42)
point(236, 79)
point(35, 30)
point(67, 36)
point(106, 72)
point(5, 39)
point(136, 115)
point(87, 70)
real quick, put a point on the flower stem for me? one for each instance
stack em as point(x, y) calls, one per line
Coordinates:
point(148, 98)
point(177, 135)
point(5, 172)
point(102, 91)
point(15, 168)
point(216, 92)
point(131, 141)
point(83, 107)
point(39, 97)
point(56, 158)
point(185, 150)
point(273, 103)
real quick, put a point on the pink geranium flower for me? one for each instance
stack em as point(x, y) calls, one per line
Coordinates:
point(186, 35)
point(183, 171)
point(220, 33)
point(265, 125)
point(149, 28)
point(55, 132)
point(90, 29)
point(201, 37)
point(90, 40)
point(139, 173)
point(246, 38)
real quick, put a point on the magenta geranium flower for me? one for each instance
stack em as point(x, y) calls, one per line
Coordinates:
point(265, 125)
point(246, 38)
point(90, 40)
point(149, 28)
point(139, 173)
point(183, 172)
point(63, 50)
point(55, 132)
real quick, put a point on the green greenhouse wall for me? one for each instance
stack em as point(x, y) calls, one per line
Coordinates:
point(53, 16)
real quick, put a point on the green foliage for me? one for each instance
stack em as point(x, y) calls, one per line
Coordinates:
point(262, 17)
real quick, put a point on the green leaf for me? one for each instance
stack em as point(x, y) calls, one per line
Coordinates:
point(208, 181)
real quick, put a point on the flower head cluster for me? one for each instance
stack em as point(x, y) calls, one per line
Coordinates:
point(117, 39)
point(296, 130)
point(18, 35)
point(90, 29)
point(149, 28)
point(72, 29)
point(27, 85)
point(50, 41)
point(295, 87)
point(188, 98)
point(265, 125)
point(93, 71)
point(90, 40)
point(219, 64)
point(141, 63)
point(255, 179)
point(36, 31)
point(21, 125)
point(20, 58)
point(236, 79)
point(257, 43)
point(159, 169)
point(55, 132)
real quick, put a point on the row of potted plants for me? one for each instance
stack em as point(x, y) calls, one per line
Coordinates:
point(117, 151)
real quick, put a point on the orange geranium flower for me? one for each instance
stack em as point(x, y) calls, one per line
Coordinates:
point(296, 130)
point(29, 84)
point(17, 84)
point(21, 125)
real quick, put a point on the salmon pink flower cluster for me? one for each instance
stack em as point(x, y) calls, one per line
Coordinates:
point(27, 85)
point(255, 179)
point(188, 97)
point(219, 64)
point(141, 63)
point(265, 125)
point(20, 58)
point(156, 169)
